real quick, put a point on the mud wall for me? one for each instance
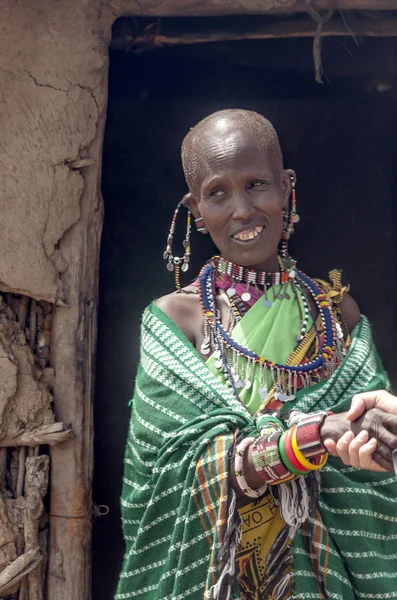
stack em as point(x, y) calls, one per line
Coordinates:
point(53, 90)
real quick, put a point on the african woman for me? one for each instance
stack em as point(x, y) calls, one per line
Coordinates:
point(245, 380)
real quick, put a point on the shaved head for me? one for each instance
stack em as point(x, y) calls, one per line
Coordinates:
point(227, 131)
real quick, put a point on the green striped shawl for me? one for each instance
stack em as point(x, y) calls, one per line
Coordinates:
point(176, 497)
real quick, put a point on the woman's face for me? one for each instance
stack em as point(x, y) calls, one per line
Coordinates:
point(241, 196)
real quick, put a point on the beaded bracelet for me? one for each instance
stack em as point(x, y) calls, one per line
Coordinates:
point(239, 470)
point(308, 437)
point(284, 457)
point(302, 459)
point(266, 458)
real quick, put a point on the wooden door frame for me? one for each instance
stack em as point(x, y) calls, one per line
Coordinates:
point(75, 324)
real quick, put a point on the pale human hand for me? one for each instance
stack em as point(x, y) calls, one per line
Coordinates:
point(367, 442)
point(378, 399)
point(355, 450)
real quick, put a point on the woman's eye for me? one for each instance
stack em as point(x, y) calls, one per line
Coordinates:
point(217, 193)
point(258, 184)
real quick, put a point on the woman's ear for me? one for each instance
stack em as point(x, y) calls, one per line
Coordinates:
point(191, 203)
point(289, 177)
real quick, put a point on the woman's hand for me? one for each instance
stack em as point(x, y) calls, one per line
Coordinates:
point(366, 443)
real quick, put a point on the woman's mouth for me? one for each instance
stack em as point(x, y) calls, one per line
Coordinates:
point(248, 234)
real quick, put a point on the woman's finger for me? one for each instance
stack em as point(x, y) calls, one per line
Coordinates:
point(386, 464)
point(384, 451)
point(342, 447)
point(385, 436)
point(355, 446)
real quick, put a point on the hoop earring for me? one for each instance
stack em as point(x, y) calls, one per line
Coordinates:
point(290, 218)
point(176, 263)
point(200, 225)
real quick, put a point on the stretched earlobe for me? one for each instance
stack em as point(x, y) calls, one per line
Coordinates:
point(289, 181)
point(176, 263)
point(190, 202)
point(290, 215)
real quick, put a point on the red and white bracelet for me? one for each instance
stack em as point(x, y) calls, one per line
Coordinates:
point(239, 470)
point(308, 437)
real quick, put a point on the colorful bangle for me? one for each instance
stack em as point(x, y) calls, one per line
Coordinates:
point(285, 460)
point(263, 420)
point(308, 437)
point(301, 458)
point(239, 470)
point(266, 458)
point(293, 459)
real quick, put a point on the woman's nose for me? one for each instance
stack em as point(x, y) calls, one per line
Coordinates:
point(243, 208)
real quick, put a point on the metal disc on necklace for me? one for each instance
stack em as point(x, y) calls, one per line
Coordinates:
point(165, 255)
point(279, 296)
point(263, 393)
point(204, 349)
point(185, 243)
point(246, 297)
point(247, 385)
point(217, 354)
point(238, 384)
point(267, 303)
point(170, 266)
point(284, 397)
point(219, 364)
point(206, 340)
point(231, 291)
point(185, 267)
point(286, 294)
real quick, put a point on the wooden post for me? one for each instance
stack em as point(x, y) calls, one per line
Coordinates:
point(73, 349)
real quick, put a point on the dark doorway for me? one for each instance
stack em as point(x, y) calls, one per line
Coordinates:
point(340, 138)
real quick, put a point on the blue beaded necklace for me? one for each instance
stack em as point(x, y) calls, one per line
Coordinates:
point(224, 343)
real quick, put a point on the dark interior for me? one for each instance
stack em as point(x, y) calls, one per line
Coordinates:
point(340, 137)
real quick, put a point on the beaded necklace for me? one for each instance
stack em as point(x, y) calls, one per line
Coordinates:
point(246, 275)
point(239, 363)
point(249, 277)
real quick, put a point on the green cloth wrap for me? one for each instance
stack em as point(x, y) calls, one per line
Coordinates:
point(176, 481)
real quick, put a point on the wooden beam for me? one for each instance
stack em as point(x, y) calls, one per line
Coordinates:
point(72, 350)
point(154, 36)
point(207, 8)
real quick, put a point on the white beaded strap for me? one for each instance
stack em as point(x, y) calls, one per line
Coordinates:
point(239, 470)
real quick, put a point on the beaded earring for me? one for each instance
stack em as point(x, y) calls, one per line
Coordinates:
point(176, 263)
point(290, 218)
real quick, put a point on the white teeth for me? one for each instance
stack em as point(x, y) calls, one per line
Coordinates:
point(248, 234)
